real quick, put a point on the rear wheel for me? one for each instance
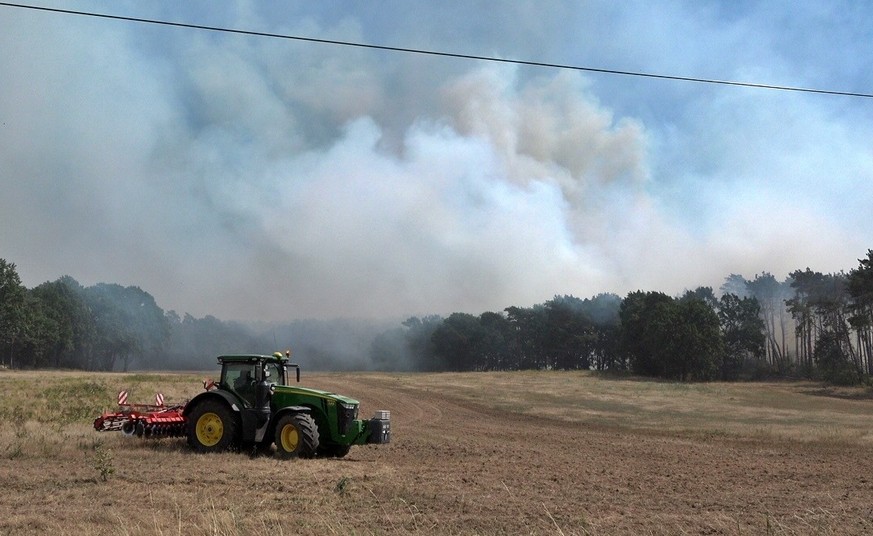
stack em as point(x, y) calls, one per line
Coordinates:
point(212, 427)
point(296, 436)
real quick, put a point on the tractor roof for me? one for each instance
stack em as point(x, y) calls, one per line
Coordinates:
point(251, 358)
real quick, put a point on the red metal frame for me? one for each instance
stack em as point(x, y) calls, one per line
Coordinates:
point(143, 419)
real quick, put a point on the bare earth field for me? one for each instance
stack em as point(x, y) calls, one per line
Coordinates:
point(480, 453)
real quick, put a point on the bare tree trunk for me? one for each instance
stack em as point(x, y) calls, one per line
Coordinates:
point(782, 328)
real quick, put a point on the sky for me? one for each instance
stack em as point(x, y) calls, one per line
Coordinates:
point(266, 179)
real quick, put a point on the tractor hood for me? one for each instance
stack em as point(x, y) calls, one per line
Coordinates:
point(305, 391)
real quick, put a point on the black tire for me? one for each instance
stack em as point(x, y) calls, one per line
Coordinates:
point(212, 427)
point(334, 451)
point(296, 436)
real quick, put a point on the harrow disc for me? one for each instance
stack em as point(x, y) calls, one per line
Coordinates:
point(128, 428)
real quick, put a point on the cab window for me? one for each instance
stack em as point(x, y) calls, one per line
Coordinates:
point(240, 378)
point(275, 373)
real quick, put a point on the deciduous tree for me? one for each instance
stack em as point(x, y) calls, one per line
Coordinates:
point(743, 333)
point(12, 312)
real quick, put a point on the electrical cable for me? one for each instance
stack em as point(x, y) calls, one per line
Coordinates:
point(444, 54)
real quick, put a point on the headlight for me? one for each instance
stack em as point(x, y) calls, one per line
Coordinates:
point(347, 414)
point(350, 409)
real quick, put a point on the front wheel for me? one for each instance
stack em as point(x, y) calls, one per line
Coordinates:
point(211, 427)
point(296, 436)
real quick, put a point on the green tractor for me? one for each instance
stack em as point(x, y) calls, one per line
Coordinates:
point(254, 405)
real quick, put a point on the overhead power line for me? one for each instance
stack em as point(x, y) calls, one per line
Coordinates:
point(442, 53)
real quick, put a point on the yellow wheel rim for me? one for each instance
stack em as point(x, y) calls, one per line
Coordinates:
point(209, 429)
point(289, 437)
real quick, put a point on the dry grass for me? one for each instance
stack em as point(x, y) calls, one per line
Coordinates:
point(496, 453)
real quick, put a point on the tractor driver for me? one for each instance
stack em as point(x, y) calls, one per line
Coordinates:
point(244, 379)
point(245, 385)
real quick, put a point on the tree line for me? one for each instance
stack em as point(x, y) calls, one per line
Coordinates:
point(63, 324)
point(810, 324)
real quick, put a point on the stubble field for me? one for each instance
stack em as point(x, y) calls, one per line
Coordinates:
point(480, 453)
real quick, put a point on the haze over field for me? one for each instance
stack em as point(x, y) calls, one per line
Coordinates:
point(269, 179)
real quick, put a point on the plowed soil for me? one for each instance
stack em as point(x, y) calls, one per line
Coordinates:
point(470, 469)
point(459, 463)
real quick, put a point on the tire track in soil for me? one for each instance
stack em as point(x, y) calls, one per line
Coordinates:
point(493, 465)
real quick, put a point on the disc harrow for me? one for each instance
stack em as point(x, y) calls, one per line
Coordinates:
point(143, 420)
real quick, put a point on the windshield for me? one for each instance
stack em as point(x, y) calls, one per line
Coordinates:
point(275, 373)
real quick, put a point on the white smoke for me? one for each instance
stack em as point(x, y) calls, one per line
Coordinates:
point(485, 206)
point(264, 179)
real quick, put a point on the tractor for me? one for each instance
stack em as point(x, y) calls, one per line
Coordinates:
point(253, 405)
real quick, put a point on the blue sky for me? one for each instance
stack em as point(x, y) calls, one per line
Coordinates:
point(268, 179)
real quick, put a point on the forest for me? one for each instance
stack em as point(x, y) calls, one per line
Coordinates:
point(810, 325)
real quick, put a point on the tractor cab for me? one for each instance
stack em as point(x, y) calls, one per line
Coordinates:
point(241, 374)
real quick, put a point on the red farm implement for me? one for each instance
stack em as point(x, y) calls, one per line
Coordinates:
point(144, 420)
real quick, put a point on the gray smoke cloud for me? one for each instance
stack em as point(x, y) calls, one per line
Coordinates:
point(264, 179)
